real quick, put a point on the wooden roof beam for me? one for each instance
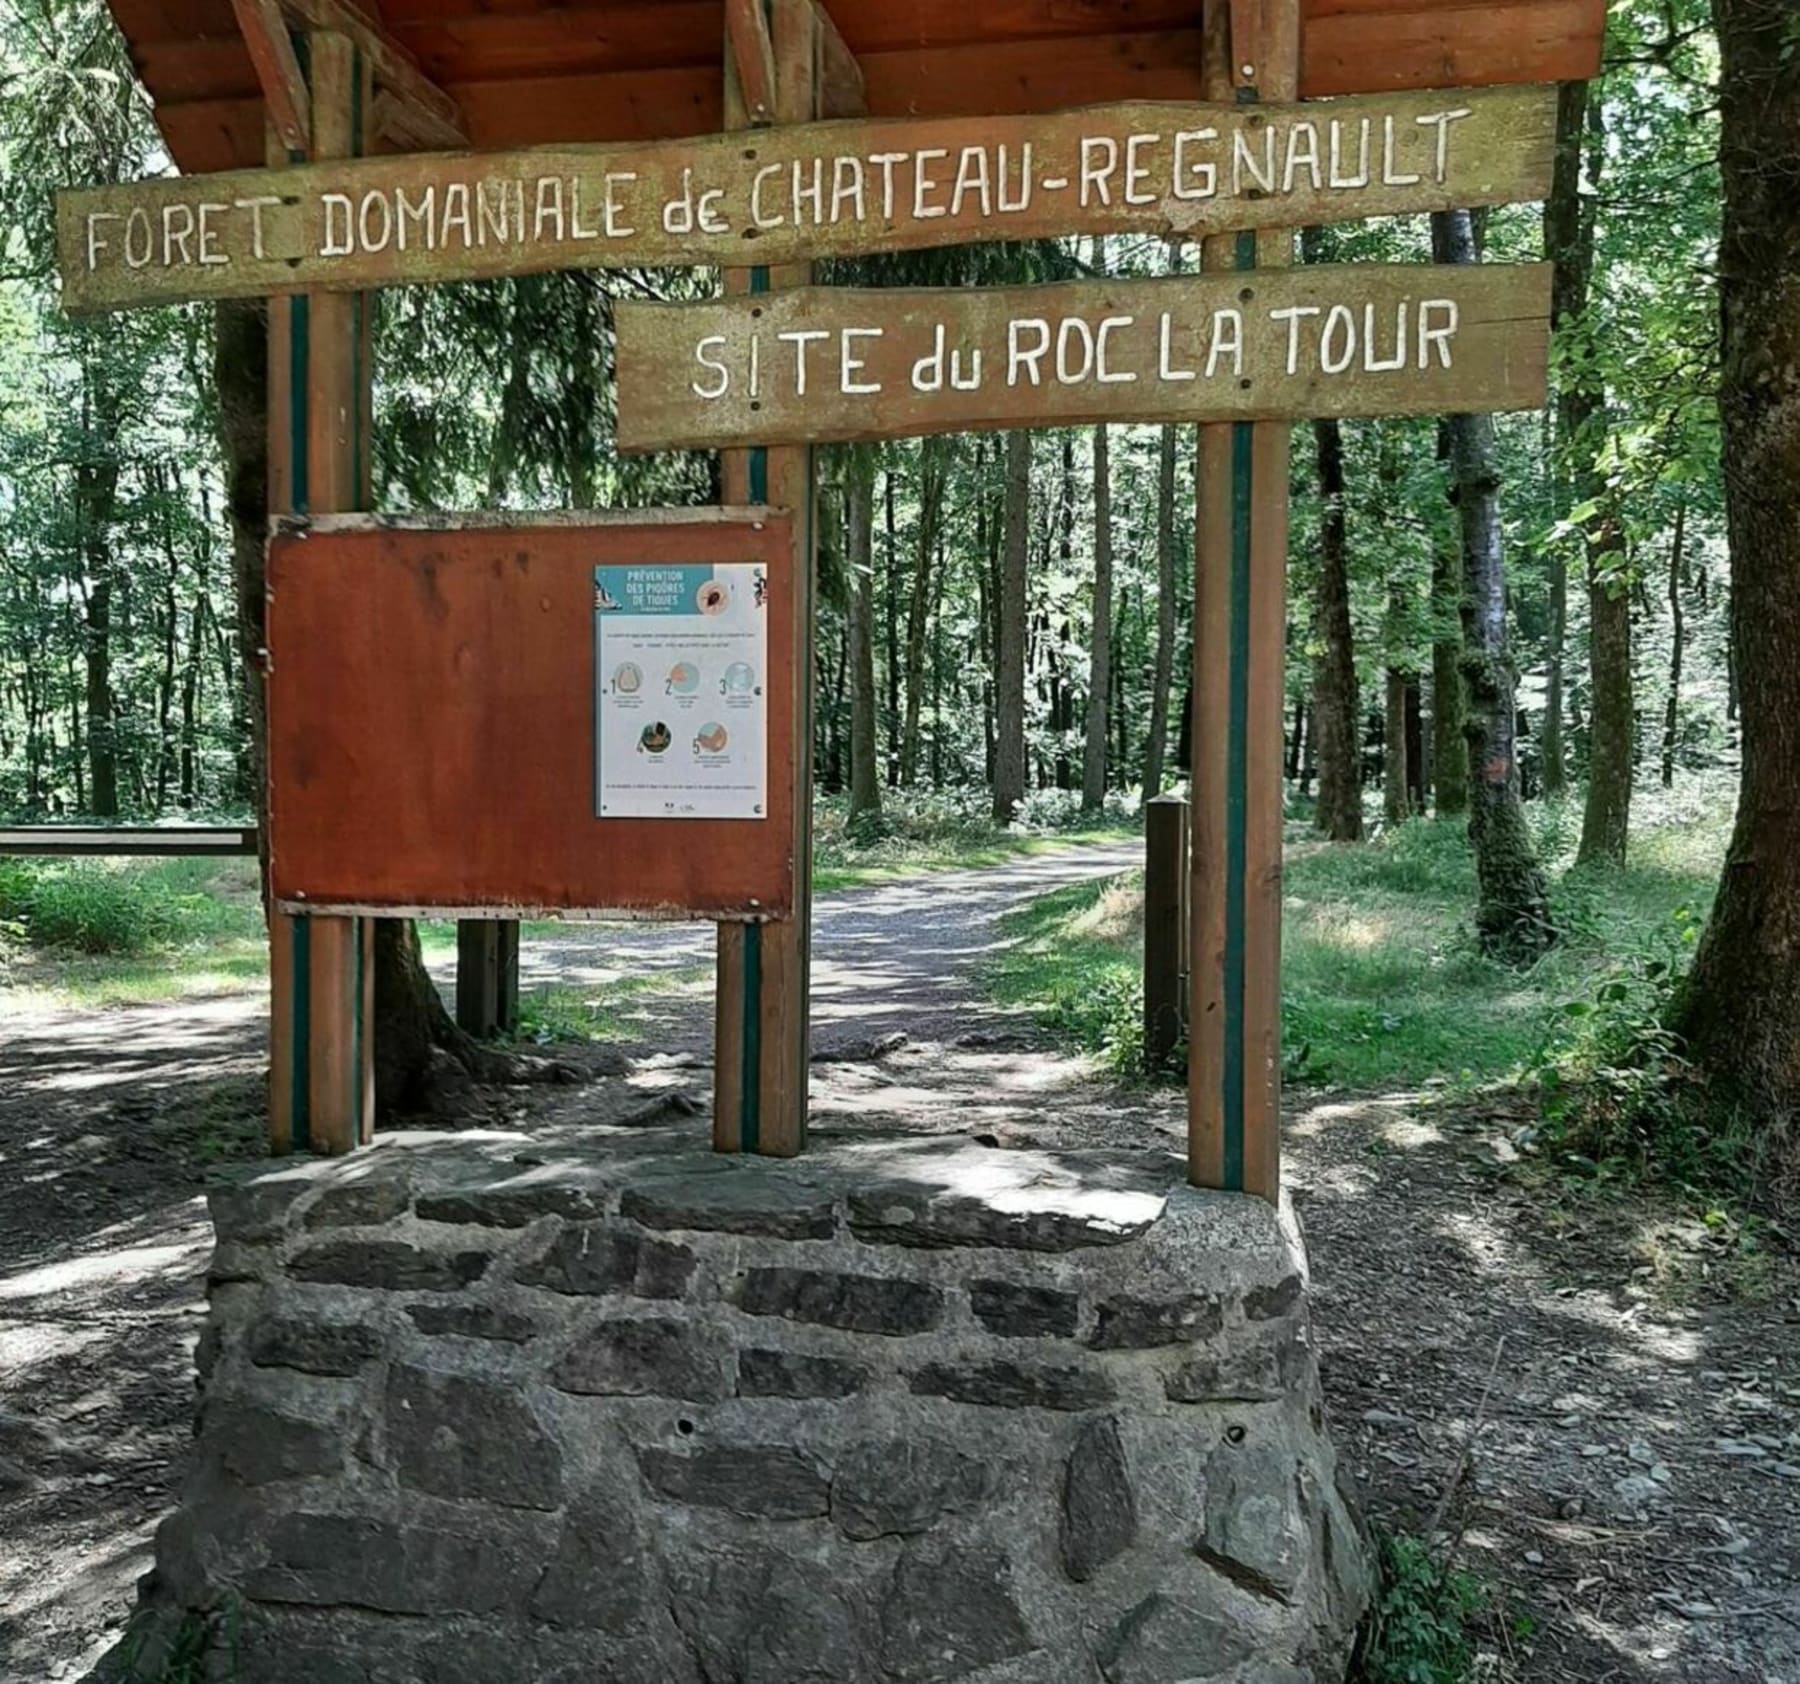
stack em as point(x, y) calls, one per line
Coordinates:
point(753, 56)
point(411, 109)
point(841, 91)
point(278, 72)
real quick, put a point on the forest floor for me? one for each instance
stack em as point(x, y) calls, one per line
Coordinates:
point(1612, 1393)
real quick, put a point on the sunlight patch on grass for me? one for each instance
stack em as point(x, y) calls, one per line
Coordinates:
point(1383, 983)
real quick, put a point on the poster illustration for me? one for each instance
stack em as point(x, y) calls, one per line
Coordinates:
point(680, 675)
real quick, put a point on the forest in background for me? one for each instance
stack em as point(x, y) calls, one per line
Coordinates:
point(120, 653)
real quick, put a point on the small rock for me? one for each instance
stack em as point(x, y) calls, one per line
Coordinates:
point(1385, 1418)
point(1534, 1558)
point(1592, 1451)
point(1642, 1454)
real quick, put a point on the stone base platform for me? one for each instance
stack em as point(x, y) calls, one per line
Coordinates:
point(493, 1409)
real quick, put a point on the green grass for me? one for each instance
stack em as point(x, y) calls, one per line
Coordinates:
point(609, 1011)
point(108, 932)
point(1382, 983)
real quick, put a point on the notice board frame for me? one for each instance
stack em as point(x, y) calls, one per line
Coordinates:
point(431, 698)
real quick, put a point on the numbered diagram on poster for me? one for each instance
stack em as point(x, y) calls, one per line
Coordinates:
point(680, 707)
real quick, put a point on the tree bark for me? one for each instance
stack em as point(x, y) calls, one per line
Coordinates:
point(1009, 699)
point(1741, 1006)
point(1336, 709)
point(865, 770)
point(1162, 677)
point(1569, 229)
point(1449, 708)
point(1677, 639)
point(1512, 915)
point(933, 472)
point(1093, 760)
point(1396, 799)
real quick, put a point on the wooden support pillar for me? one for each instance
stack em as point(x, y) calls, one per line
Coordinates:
point(1234, 1016)
point(322, 983)
point(761, 1045)
point(487, 976)
point(1165, 926)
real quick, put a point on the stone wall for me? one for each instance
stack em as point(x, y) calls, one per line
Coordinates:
point(486, 1410)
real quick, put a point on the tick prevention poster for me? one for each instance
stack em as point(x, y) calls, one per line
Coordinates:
point(680, 707)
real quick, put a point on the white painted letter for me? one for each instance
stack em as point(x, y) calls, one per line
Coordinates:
point(1123, 378)
point(1443, 120)
point(1206, 173)
point(95, 245)
point(715, 364)
point(255, 208)
point(1227, 341)
point(1166, 370)
point(1018, 355)
point(1136, 172)
point(1099, 158)
point(1292, 316)
point(337, 245)
point(800, 338)
point(1438, 336)
point(849, 365)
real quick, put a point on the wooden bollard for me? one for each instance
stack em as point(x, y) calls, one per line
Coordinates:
point(487, 976)
point(1165, 927)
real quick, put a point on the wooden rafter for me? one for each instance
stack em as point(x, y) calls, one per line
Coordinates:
point(413, 109)
point(841, 90)
point(753, 55)
point(278, 71)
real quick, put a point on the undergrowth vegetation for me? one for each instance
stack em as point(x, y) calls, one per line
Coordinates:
point(946, 830)
point(1418, 1630)
point(1384, 986)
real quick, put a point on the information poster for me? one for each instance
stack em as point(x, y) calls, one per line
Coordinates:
point(680, 674)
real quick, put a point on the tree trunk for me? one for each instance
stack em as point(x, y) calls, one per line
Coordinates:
point(891, 602)
point(1612, 726)
point(1413, 725)
point(1677, 638)
point(1569, 244)
point(1569, 228)
point(1449, 710)
point(865, 772)
point(1394, 804)
point(1093, 761)
point(1741, 1007)
point(933, 471)
point(241, 379)
point(1009, 701)
point(1162, 678)
point(1513, 914)
point(1335, 706)
point(1553, 754)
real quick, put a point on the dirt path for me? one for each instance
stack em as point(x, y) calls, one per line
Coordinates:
point(1631, 1491)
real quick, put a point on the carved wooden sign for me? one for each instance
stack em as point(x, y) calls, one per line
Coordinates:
point(817, 364)
point(817, 190)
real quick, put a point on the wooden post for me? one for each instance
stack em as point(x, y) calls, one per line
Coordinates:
point(1234, 1018)
point(761, 1045)
point(487, 976)
point(322, 982)
point(1165, 926)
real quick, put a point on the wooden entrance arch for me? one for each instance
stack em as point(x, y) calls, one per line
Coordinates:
point(239, 83)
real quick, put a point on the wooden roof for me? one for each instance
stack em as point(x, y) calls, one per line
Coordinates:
point(525, 72)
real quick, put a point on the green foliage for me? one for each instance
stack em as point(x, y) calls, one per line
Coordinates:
point(1418, 1630)
point(945, 830)
point(1619, 1097)
point(1383, 982)
point(101, 908)
point(1072, 959)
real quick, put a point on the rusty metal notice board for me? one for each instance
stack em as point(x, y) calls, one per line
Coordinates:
point(473, 717)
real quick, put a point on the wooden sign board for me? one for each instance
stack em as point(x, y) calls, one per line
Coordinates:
point(449, 724)
point(816, 364)
point(803, 192)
